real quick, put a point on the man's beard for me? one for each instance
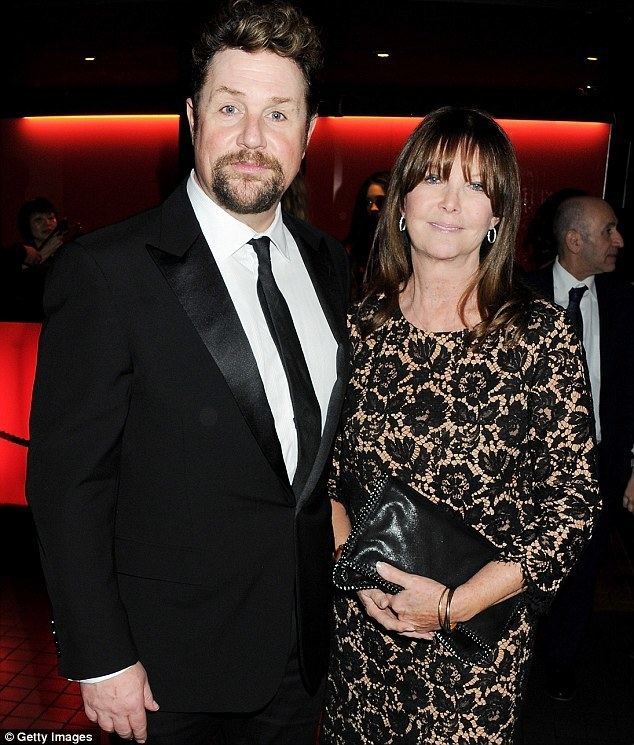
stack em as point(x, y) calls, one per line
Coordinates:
point(246, 194)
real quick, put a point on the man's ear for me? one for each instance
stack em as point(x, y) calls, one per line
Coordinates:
point(191, 117)
point(573, 241)
point(309, 131)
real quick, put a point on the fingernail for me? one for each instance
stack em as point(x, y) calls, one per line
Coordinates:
point(379, 565)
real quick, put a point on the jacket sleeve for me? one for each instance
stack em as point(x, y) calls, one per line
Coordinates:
point(80, 402)
point(562, 463)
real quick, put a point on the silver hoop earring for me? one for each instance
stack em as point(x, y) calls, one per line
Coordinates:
point(401, 224)
point(492, 235)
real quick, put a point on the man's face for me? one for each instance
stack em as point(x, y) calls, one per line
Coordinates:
point(249, 132)
point(600, 239)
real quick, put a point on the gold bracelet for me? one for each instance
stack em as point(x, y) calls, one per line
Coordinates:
point(446, 625)
point(442, 595)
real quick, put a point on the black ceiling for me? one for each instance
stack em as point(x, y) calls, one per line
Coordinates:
point(512, 58)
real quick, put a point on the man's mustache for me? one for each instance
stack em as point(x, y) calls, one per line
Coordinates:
point(255, 158)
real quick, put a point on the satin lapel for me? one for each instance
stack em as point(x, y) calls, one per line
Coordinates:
point(331, 425)
point(317, 261)
point(198, 285)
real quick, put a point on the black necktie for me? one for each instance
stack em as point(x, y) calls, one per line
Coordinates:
point(306, 410)
point(573, 311)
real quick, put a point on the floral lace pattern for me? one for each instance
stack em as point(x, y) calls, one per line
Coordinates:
point(504, 436)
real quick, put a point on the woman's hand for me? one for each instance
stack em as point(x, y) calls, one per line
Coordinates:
point(31, 255)
point(51, 245)
point(417, 604)
point(377, 606)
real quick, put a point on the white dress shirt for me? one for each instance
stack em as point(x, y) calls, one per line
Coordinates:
point(238, 265)
point(563, 281)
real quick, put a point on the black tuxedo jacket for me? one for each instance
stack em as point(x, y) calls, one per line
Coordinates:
point(616, 401)
point(169, 531)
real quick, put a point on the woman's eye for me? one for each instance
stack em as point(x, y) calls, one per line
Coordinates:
point(477, 186)
point(432, 178)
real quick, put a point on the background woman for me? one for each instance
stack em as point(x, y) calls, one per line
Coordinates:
point(365, 217)
point(475, 394)
point(24, 265)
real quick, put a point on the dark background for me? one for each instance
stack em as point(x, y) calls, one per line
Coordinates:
point(518, 58)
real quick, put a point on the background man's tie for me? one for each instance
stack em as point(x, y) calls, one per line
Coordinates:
point(573, 311)
point(305, 405)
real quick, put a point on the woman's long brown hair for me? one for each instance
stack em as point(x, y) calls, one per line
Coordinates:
point(432, 148)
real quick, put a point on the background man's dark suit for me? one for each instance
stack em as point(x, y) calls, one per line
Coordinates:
point(564, 627)
point(616, 402)
point(164, 446)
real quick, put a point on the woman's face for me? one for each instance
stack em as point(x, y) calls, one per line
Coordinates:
point(42, 225)
point(449, 219)
point(374, 198)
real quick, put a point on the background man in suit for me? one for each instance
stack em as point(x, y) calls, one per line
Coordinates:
point(601, 305)
point(190, 376)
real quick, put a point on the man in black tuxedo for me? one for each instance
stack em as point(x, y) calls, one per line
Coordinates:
point(191, 372)
point(601, 305)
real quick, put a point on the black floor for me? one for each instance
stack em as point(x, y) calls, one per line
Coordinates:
point(602, 713)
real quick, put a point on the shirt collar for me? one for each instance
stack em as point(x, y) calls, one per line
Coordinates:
point(564, 280)
point(224, 233)
point(277, 234)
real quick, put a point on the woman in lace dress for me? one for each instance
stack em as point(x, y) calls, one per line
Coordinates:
point(474, 393)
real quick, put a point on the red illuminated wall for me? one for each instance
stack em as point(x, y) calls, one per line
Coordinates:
point(98, 170)
point(18, 350)
point(101, 169)
point(95, 169)
point(343, 151)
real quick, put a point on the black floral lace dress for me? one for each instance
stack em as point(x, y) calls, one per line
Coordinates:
point(504, 436)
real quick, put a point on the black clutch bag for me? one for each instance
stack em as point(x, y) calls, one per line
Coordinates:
point(402, 527)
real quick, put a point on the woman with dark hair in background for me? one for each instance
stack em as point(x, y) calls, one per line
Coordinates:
point(365, 216)
point(474, 395)
point(25, 264)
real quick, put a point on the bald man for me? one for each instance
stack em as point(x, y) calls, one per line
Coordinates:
point(601, 305)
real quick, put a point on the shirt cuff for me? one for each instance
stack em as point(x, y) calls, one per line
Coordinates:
point(103, 677)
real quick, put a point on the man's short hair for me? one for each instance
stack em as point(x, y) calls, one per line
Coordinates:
point(275, 26)
point(570, 215)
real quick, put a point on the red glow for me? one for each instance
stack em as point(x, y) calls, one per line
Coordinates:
point(146, 131)
point(18, 352)
point(96, 169)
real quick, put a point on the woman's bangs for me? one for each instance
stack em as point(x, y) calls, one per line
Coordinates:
point(478, 165)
